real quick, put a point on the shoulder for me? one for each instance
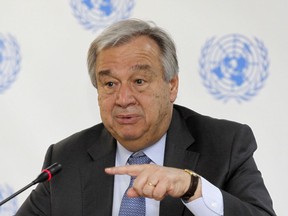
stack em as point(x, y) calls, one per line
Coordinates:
point(195, 120)
point(84, 137)
point(209, 131)
point(220, 142)
point(78, 143)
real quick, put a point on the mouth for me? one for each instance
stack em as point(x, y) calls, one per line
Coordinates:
point(127, 119)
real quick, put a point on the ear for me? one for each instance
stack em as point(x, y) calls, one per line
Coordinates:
point(174, 82)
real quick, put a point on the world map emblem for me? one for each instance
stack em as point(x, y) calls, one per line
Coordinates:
point(234, 67)
point(10, 207)
point(9, 61)
point(98, 14)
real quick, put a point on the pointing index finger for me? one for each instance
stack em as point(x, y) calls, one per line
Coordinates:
point(132, 170)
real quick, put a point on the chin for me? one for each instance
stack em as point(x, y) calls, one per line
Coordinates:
point(129, 137)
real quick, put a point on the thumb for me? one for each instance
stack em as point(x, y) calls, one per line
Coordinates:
point(132, 193)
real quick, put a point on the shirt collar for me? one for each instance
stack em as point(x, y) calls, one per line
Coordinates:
point(155, 152)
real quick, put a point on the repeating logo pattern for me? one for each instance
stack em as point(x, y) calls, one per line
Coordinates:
point(10, 207)
point(9, 61)
point(234, 67)
point(97, 14)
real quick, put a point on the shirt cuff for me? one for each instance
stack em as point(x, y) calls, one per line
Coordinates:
point(211, 202)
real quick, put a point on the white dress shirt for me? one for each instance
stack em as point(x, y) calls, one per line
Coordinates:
point(211, 202)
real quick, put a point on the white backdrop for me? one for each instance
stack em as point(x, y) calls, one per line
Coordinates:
point(52, 97)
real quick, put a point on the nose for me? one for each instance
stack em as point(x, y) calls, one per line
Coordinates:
point(125, 96)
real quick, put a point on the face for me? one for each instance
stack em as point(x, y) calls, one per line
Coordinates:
point(135, 102)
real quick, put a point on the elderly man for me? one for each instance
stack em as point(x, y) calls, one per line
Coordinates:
point(149, 156)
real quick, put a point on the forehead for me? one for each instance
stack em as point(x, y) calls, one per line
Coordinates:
point(134, 45)
point(139, 50)
point(146, 39)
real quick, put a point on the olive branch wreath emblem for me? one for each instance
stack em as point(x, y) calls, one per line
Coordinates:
point(254, 86)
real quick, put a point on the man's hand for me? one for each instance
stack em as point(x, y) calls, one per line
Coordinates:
point(153, 181)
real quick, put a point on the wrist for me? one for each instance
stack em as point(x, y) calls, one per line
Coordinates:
point(193, 188)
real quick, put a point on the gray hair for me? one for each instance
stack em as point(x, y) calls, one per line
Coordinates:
point(122, 32)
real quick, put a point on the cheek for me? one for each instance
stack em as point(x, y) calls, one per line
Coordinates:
point(104, 104)
point(161, 103)
point(163, 96)
point(104, 99)
point(100, 101)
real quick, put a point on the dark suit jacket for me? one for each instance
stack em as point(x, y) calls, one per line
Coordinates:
point(219, 150)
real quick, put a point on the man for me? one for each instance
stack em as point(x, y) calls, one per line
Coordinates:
point(133, 66)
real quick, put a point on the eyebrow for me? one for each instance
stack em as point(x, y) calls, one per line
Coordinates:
point(104, 72)
point(138, 67)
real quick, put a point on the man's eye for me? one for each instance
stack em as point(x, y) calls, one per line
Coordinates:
point(139, 81)
point(109, 84)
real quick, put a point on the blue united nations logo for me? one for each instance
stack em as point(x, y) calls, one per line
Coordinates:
point(9, 61)
point(234, 67)
point(10, 207)
point(97, 14)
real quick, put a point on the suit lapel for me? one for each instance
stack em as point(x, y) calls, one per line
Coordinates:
point(97, 186)
point(178, 155)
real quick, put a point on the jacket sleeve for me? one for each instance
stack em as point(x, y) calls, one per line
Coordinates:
point(38, 202)
point(244, 192)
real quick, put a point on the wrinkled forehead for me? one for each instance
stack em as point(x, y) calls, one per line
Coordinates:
point(125, 40)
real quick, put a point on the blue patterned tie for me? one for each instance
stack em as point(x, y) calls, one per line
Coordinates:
point(134, 206)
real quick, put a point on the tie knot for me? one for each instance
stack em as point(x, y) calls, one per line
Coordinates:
point(139, 158)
